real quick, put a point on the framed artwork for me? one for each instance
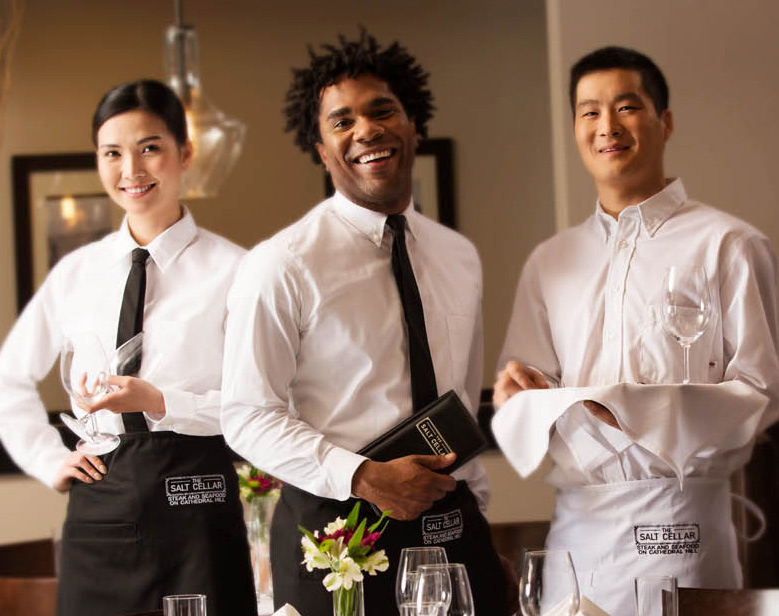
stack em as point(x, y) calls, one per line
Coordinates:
point(432, 181)
point(59, 205)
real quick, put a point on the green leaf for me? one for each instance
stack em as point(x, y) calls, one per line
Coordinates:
point(375, 525)
point(351, 521)
point(356, 540)
point(308, 534)
point(383, 528)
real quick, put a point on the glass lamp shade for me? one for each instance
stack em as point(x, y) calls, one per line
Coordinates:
point(217, 140)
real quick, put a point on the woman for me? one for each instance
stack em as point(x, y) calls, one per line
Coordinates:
point(160, 514)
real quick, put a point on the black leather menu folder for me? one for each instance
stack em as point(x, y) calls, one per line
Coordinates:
point(443, 426)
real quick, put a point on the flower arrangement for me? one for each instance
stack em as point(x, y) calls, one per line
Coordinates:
point(254, 483)
point(260, 491)
point(348, 549)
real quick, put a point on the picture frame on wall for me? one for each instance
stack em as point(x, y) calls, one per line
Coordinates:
point(432, 181)
point(58, 205)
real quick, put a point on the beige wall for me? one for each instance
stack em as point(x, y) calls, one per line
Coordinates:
point(488, 64)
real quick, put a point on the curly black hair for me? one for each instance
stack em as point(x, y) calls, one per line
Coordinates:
point(394, 65)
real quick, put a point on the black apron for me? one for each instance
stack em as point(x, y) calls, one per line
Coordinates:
point(455, 523)
point(166, 519)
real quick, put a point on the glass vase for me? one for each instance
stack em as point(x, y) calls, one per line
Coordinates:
point(259, 515)
point(349, 602)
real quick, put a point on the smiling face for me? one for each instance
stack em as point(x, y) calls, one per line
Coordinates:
point(140, 165)
point(368, 143)
point(621, 138)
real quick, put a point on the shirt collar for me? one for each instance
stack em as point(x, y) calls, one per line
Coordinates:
point(164, 248)
point(652, 213)
point(370, 222)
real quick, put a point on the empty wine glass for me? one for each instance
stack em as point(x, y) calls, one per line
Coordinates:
point(460, 599)
point(84, 373)
point(686, 308)
point(410, 561)
point(433, 591)
point(548, 584)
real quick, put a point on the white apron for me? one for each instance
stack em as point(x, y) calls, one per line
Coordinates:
point(618, 531)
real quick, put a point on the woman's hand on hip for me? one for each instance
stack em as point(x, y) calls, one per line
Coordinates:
point(82, 467)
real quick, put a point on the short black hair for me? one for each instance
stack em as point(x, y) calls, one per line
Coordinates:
point(394, 65)
point(605, 58)
point(145, 94)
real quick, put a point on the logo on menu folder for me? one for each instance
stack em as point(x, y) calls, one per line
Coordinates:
point(196, 490)
point(433, 437)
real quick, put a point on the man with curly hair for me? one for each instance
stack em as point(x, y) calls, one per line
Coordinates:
point(319, 357)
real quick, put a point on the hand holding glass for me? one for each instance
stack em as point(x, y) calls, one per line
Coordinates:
point(548, 584)
point(410, 561)
point(686, 307)
point(84, 373)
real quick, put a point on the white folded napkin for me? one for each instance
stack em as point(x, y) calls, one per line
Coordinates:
point(684, 419)
point(589, 608)
point(286, 610)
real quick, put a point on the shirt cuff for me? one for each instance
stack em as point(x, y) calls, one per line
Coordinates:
point(179, 405)
point(48, 467)
point(341, 465)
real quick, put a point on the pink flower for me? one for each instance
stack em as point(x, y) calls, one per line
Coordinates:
point(370, 539)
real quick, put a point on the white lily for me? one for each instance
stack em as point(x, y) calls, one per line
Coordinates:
point(376, 562)
point(345, 573)
point(332, 527)
point(312, 557)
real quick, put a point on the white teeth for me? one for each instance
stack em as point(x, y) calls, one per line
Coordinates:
point(137, 190)
point(374, 156)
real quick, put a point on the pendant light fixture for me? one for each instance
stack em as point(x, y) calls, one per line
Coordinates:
point(217, 139)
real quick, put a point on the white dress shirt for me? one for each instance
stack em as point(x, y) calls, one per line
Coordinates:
point(189, 273)
point(587, 315)
point(316, 353)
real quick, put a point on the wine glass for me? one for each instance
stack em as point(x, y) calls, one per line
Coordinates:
point(433, 593)
point(410, 561)
point(184, 605)
point(548, 584)
point(686, 307)
point(84, 373)
point(460, 599)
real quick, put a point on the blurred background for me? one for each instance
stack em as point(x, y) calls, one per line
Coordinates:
point(499, 76)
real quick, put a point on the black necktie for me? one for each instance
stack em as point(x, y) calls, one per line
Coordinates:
point(423, 385)
point(131, 323)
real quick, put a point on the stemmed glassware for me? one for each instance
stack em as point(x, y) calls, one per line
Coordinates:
point(406, 582)
point(686, 308)
point(84, 370)
point(433, 594)
point(548, 584)
point(459, 599)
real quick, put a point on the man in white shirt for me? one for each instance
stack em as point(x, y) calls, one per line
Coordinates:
point(591, 378)
point(316, 357)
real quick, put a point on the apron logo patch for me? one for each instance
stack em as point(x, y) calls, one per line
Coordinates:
point(433, 437)
point(442, 527)
point(196, 490)
point(668, 538)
